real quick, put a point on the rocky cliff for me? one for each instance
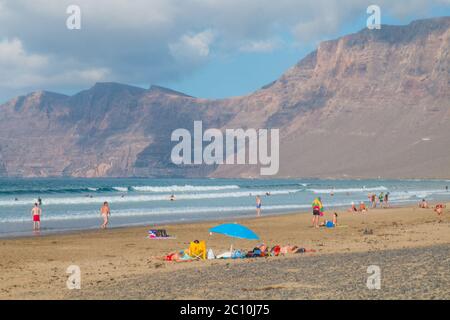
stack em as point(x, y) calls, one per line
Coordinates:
point(371, 104)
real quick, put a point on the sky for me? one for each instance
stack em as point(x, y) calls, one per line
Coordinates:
point(204, 48)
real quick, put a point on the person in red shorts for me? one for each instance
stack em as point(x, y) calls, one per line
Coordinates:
point(36, 213)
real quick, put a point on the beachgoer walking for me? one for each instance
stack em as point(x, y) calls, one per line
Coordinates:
point(381, 199)
point(258, 205)
point(439, 209)
point(317, 207)
point(373, 200)
point(36, 213)
point(105, 212)
point(386, 200)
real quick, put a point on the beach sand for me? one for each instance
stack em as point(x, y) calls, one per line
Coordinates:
point(409, 245)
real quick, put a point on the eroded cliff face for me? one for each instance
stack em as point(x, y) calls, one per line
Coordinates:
point(374, 103)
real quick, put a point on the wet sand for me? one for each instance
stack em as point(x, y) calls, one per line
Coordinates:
point(408, 244)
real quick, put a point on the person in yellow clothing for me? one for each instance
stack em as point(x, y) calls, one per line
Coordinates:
point(317, 211)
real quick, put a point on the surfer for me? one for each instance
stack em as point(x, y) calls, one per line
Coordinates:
point(172, 197)
point(40, 201)
point(105, 213)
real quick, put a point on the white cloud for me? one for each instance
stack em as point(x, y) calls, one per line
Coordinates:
point(261, 46)
point(21, 69)
point(154, 41)
point(192, 47)
point(12, 54)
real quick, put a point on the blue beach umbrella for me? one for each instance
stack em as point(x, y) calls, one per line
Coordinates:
point(235, 230)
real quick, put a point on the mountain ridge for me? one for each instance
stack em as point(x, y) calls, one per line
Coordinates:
point(369, 104)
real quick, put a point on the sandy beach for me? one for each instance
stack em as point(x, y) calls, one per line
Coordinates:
point(409, 245)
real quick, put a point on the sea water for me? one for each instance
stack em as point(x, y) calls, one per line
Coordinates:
point(74, 204)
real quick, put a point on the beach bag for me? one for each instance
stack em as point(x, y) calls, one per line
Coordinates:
point(210, 255)
point(237, 254)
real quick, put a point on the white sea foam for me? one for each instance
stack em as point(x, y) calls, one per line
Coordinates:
point(348, 190)
point(139, 198)
point(185, 188)
point(155, 212)
point(121, 189)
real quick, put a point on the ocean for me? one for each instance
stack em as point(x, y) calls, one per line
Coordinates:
point(74, 204)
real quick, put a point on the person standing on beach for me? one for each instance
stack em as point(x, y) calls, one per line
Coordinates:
point(317, 211)
point(373, 200)
point(258, 205)
point(105, 213)
point(36, 213)
point(439, 209)
point(386, 200)
point(381, 199)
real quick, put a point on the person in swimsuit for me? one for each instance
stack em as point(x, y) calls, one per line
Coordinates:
point(439, 209)
point(373, 200)
point(258, 205)
point(362, 207)
point(353, 208)
point(317, 211)
point(36, 214)
point(386, 200)
point(381, 198)
point(423, 204)
point(105, 213)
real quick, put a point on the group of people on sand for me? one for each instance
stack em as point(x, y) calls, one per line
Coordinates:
point(36, 214)
point(318, 212)
point(362, 208)
point(382, 199)
point(438, 208)
point(261, 250)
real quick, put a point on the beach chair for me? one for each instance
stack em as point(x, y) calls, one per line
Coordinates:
point(197, 250)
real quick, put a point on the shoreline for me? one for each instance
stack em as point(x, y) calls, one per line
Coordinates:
point(113, 261)
point(78, 231)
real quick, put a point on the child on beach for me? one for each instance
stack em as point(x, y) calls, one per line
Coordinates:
point(258, 205)
point(330, 224)
point(439, 209)
point(423, 204)
point(36, 213)
point(105, 213)
point(362, 207)
point(353, 208)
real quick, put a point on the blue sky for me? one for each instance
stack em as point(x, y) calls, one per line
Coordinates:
point(241, 74)
point(205, 48)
